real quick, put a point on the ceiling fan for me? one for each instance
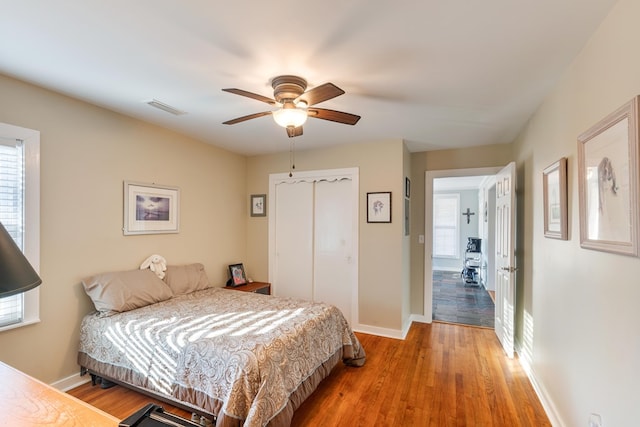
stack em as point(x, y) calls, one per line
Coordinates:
point(295, 105)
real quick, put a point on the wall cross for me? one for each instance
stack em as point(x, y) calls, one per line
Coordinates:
point(468, 213)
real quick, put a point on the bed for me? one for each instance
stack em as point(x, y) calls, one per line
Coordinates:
point(243, 358)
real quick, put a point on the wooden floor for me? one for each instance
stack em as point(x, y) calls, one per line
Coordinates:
point(441, 375)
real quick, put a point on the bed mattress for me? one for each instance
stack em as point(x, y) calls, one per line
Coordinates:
point(249, 359)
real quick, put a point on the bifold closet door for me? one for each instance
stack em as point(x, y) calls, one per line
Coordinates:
point(333, 266)
point(294, 240)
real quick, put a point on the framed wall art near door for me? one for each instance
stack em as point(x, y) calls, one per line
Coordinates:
point(258, 205)
point(608, 182)
point(379, 207)
point(150, 208)
point(554, 186)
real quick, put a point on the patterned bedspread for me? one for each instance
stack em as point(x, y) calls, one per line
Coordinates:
point(240, 353)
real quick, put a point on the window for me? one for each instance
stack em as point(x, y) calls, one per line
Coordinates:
point(20, 214)
point(446, 230)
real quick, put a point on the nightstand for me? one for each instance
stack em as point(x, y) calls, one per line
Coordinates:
point(255, 287)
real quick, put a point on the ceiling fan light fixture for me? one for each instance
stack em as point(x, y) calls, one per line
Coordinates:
point(291, 97)
point(290, 116)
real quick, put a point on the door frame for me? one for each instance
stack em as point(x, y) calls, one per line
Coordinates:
point(352, 174)
point(428, 225)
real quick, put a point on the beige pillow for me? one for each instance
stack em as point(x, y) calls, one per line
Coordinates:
point(125, 290)
point(183, 279)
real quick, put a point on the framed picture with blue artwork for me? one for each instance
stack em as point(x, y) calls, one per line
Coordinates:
point(151, 208)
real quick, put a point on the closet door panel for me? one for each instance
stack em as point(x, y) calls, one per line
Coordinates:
point(333, 269)
point(294, 240)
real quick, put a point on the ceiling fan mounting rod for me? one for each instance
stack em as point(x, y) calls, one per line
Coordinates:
point(288, 88)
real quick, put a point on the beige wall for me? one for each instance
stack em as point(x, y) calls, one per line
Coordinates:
point(476, 157)
point(86, 153)
point(578, 309)
point(381, 245)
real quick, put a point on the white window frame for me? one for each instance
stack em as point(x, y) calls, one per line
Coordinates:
point(31, 140)
point(455, 196)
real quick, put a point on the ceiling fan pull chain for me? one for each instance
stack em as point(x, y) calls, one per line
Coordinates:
point(292, 158)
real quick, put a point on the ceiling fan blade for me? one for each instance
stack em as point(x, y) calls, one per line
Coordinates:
point(245, 118)
point(251, 95)
point(291, 131)
point(334, 116)
point(320, 94)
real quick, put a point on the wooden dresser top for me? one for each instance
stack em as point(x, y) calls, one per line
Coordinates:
point(26, 401)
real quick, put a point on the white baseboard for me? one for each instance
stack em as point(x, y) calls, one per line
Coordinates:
point(392, 333)
point(70, 382)
point(382, 332)
point(546, 401)
point(419, 318)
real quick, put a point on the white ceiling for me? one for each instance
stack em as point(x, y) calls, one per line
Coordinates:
point(436, 73)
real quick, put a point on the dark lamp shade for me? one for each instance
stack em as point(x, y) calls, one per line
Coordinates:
point(16, 274)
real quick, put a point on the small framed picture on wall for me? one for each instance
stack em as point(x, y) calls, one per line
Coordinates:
point(554, 186)
point(258, 205)
point(379, 207)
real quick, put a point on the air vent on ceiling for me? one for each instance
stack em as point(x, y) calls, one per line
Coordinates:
point(164, 107)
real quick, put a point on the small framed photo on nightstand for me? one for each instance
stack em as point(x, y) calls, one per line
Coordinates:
point(238, 276)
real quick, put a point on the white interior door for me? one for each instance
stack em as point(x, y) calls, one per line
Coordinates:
point(505, 257)
point(333, 269)
point(294, 236)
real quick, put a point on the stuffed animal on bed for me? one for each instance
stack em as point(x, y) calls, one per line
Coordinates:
point(155, 263)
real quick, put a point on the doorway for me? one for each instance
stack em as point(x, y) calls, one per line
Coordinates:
point(447, 296)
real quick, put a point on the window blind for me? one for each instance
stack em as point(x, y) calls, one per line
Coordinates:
point(446, 233)
point(12, 216)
